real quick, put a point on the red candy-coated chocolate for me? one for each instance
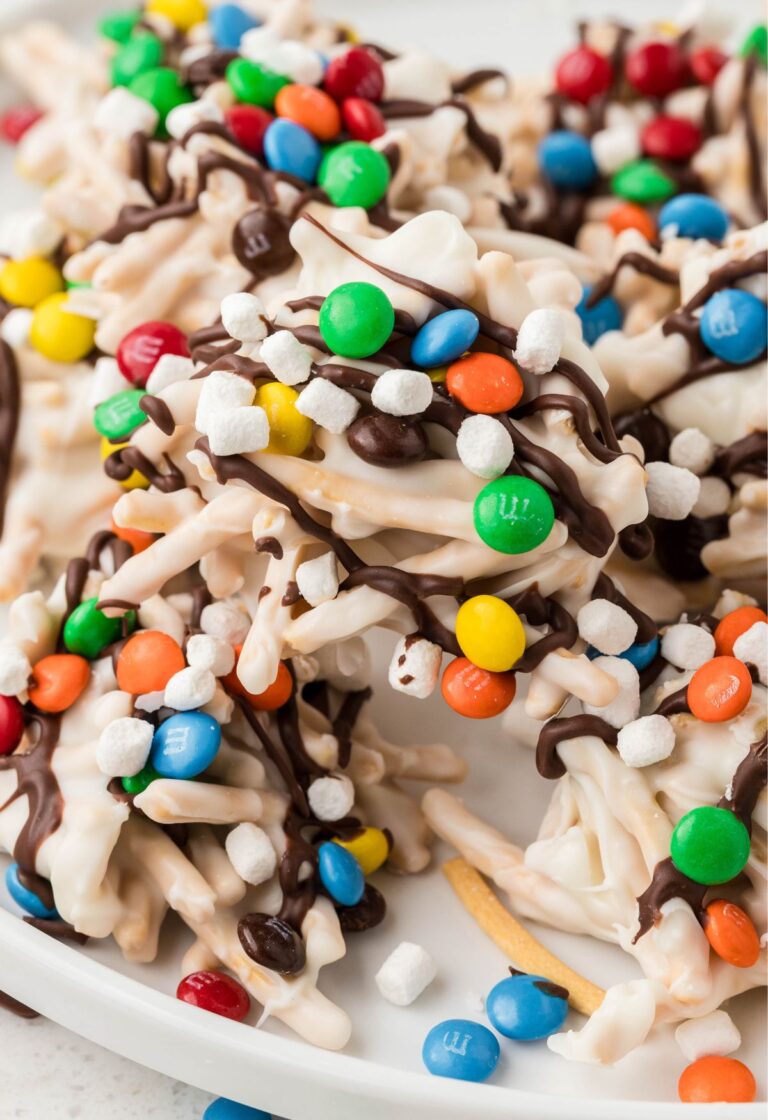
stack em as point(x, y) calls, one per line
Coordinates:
point(362, 119)
point(216, 992)
point(141, 348)
point(248, 123)
point(583, 74)
point(656, 69)
point(15, 122)
point(11, 724)
point(356, 73)
point(706, 63)
point(670, 138)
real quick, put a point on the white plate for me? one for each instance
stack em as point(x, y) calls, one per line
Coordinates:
point(131, 1008)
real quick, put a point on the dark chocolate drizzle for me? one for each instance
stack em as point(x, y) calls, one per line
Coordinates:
point(560, 730)
point(10, 408)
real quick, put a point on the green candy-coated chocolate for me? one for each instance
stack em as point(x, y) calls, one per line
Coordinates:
point(756, 42)
point(141, 53)
point(356, 319)
point(253, 83)
point(88, 630)
point(137, 783)
point(119, 415)
point(119, 26)
point(710, 845)
point(513, 514)
point(354, 174)
point(162, 88)
point(642, 181)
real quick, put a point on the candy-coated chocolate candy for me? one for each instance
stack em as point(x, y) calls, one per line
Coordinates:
point(597, 319)
point(118, 416)
point(147, 662)
point(461, 1049)
point(289, 431)
point(312, 108)
point(216, 992)
point(630, 216)
point(140, 349)
point(57, 681)
point(253, 83)
point(513, 514)
point(163, 89)
point(229, 22)
point(356, 73)
point(706, 63)
point(670, 138)
point(136, 538)
point(716, 1079)
point(223, 1109)
point(88, 630)
point(730, 628)
point(490, 633)
point(731, 933)
point(527, 1007)
point(733, 326)
point(694, 215)
point(719, 690)
point(118, 26)
point(370, 848)
point(642, 181)
point(756, 42)
point(340, 873)
point(485, 383)
point(135, 480)
point(24, 897)
point(710, 845)
point(140, 53)
point(641, 654)
point(362, 120)
point(583, 74)
point(185, 745)
point(273, 696)
point(25, 283)
point(354, 174)
point(290, 148)
point(476, 693)
point(137, 783)
point(444, 338)
point(566, 159)
point(248, 123)
point(59, 334)
point(272, 943)
point(356, 319)
point(18, 120)
point(183, 14)
point(656, 69)
point(11, 724)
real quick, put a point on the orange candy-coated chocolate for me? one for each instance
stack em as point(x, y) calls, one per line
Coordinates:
point(485, 383)
point(311, 108)
point(732, 626)
point(476, 693)
point(271, 698)
point(147, 662)
point(731, 933)
point(715, 1079)
point(719, 690)
point(136, 538)
point(630, 216)
point(58, 681)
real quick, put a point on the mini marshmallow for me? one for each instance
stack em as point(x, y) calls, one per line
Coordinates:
point(222, 620)
point(402, 392)
point(415, 666)
point(238, 431)
point(731, 600)
point(752, 647)
point(687, 646)
point(150, 701)
point(244, 317)
point(190, 113)
point(318, 579)
point(287, 358)
point(16, 326)
point(123, 747)
point(443, 197)
point(484, 446)
point(540, 340)
point(626, 706)
point(282, 56)
point(612, 148)
point(693, 449)
point(329, 406)
point(169, 368)
point(251, 853)
point(221, 390)
point(671, 491)
point(331, 798)
point(107, 381)
point(646, 740)
point(606, 626)
point(120, 113)
point(29, 233)
point(15, 671)
point(714, 497)
point(190, 688)
point(715, 1034)
point(406, 972)
point(214, 654)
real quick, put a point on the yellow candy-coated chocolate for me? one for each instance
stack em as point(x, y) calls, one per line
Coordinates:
point(183, 14)
point(58, 334)
point(370, 848)
point(438, 376)
point(490, 633)
point(135, 480)
point(26, 283)
point(289, 431)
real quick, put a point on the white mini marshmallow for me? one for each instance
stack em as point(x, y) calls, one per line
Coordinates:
point(214, 654)
point(243, 317)
point(221, 390)
point(415, 666)
point(693, 449)
point(752, 647)
point(646, 741)
point(484, 446)
point(191, 113)
point(606, 626)
point(402, 392)
point(626, 706)
point(329, 406)
point(190, 688)
point(123, 747)
point(168, 369)
point(29, 233)
point(222, 620)
point(318, 579)
point(287, 358)
point(714, 497)
point(612, 148)
point(251, 853)
point(283, 56)
point(687, 646)
point(15, 671)
point(16, 326)
point(443, 197)
point(107, 381)
point(406, 972)
point(540, 339)
point(238, 431)
point(331, 798)
point(121, 113)
point(150, 701)
point(715, 1034)
point(671, 491)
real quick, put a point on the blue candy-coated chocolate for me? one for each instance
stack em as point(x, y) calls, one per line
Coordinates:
point(606, 315)
point(340, 874)
point(290, 148)
point(461, 1049)
point(526, 1007)
point(566, 159)
point(25, 898)
point(641, 654)
point(733, 326)
point(444, 338)
point(693, 215)
point(229, 22)
point(223, 1109)
point(185, 745)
